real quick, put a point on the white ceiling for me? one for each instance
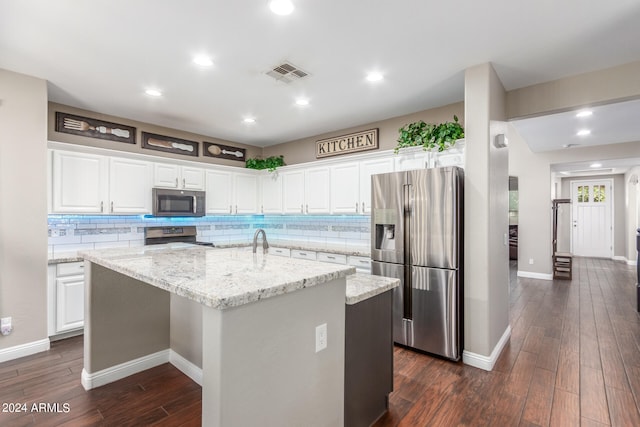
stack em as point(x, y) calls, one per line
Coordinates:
point(101, 55)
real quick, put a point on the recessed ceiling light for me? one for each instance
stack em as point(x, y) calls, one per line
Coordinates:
point(374, 76)
point(303, 102)
point(203, 60)
point(153, 92)
point(249, 120)
point(595, 165)
point(585, 113)
point(281, 7)
point(583, 132)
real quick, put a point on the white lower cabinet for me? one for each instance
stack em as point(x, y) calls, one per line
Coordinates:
point(66, 297)
point(361, 263)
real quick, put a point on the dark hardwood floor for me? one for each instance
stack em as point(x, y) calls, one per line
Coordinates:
point(573, 359)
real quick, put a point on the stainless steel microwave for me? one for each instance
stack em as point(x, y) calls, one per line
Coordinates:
point(167, 202)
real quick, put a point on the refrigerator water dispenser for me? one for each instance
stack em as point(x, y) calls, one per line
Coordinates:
point(385, 236)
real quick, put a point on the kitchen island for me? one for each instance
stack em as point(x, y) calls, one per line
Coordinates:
point(259, 317)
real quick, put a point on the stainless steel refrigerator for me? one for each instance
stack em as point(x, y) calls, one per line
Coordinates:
point(417, 236)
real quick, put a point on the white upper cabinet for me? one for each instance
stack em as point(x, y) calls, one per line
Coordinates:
point(316, 190)
point(293, 191)
point(219, 188)
point(345, 188)
point(368, 168)
point(231, 193)
point(79, 183)
point(246, 193)
point(129, 186)
point(181, 177)
point(271, 189)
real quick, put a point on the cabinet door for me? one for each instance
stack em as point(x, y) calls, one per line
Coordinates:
point(79, 183)
point(219, 187)
point(192, 178)
point(271, 185)
point(69, 303)
point(368, 168)
point(246, 193)
point(165, 175)
point(129, 186)
point(293, 192)
point(345, 188)
point(316, 190)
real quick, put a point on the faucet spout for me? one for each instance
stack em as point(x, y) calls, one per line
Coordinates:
point(265, 244)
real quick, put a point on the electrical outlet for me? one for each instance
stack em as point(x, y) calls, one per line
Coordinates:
point(5, 326)
point(321, 337)
point(530, 261)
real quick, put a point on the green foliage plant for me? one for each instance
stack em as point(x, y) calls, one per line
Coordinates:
point(270, 163)
point(430, 136)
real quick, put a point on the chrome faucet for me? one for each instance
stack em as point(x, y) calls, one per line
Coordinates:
point(265, 244)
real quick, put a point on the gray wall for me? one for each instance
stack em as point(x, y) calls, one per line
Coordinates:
point(304, 150)
point(23, 207)
point(486, 221)
point(140, 126)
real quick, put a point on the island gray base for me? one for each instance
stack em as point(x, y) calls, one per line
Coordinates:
point(368, 360)
point(259, 363)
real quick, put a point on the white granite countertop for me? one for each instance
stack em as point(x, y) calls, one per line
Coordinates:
point(218, 278)
point(362, 286)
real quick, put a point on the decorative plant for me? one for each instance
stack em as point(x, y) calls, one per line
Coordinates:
point(441, 136)
point(270, 163)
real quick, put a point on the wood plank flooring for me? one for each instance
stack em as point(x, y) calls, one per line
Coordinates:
point(573, 359)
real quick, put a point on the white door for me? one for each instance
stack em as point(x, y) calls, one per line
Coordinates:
point(271, 185)
point(192, 178)
point(293, 192)
point(69, 303)
point(165, 175)
point(345, 188)
point(219, 186)
point(129, 186)
point(316, 191)
point(368, 168)
point(592, 203)
point(80, 183)
point(246, 193)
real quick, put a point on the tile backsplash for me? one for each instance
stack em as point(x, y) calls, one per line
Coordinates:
point(70, 233)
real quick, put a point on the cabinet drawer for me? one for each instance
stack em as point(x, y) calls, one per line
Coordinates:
point(70, 268)
point(295, 253)
point(360, 262)
point(279, 251)
point(334, 258)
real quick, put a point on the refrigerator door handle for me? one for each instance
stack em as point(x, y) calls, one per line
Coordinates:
point(408, 284)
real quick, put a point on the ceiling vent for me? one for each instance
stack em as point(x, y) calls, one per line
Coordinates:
point(286, 72)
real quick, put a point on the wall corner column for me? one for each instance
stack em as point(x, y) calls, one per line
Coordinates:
point(486, 301)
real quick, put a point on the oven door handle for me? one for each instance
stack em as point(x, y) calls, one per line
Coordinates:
point(195, 204)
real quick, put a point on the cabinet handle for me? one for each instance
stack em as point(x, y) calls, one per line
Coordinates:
point(176, 182)
point(112, 207)
point(307, 208)
point(362, 207)
point(331, 257)
point(261, 208)
point(184, 183)
point(301, 208)
point(236, 209)
point(356, 207)
point(303, 254)
point(101, 206)
point(230, 209)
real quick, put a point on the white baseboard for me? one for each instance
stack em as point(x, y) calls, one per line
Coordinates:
point(23, 350)
point(484, 362)
point(632, 262)
point(123, 370)
point(532, 275)
point(619, 258)
point(187, 368)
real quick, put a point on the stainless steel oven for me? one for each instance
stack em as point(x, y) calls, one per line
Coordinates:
point(167, 202)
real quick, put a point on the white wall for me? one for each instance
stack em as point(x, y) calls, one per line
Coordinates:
point(23, 209)
point(632, 218)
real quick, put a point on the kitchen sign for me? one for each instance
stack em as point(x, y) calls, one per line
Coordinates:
point(351, 143)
